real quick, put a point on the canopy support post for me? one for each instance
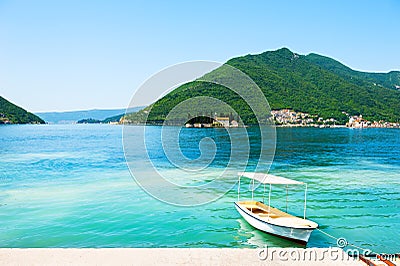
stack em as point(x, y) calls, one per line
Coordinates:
point(239, 190)
point(286, 197)
point(305, 202)
point(269, 200)
point(264, 194)
point(252, 191)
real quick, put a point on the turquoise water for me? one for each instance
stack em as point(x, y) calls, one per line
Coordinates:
point(69, 186)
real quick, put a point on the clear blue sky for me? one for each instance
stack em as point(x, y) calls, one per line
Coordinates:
point(70, 55)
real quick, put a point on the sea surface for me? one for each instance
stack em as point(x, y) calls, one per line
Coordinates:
point(70, 186)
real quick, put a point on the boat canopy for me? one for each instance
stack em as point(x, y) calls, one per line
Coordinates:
point(269, 179)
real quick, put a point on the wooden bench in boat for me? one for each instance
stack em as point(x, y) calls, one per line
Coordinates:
point(272, 216)
point(263, 210)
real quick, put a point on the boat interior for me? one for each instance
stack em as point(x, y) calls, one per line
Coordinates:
point(275, 216)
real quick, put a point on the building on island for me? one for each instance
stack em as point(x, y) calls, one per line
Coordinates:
point(211, 121)
point(234, 123)
point(221, 121)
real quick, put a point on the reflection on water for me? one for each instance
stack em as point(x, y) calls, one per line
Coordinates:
point(256, 238)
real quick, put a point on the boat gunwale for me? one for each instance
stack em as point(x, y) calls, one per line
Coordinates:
point(268, 222)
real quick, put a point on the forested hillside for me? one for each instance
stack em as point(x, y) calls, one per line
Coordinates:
point(12, 114)
point(312, 84)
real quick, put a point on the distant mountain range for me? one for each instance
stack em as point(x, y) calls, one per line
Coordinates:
point(71, 117)
point(312, 84)
point(13, 114)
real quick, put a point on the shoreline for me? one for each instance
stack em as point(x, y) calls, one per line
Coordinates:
point(248, 126)
point(174, 256)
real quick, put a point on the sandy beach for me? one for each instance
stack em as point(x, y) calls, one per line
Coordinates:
point(175, 256)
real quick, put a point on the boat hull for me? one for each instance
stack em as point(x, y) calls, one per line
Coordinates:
point(298, 235)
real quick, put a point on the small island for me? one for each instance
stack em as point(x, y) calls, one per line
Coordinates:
point(89, 121)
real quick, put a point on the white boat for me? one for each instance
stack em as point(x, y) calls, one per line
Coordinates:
point(272, 220)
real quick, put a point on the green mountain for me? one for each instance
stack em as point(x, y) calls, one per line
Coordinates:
point(12, 114)
point(388, 80)
point(311, 83)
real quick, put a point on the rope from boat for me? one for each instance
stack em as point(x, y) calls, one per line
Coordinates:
point(342, 242)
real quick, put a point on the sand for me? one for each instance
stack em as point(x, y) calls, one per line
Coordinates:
point(175, 256)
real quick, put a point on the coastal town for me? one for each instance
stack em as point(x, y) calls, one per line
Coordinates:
point(291, 118)
point(358, 122)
